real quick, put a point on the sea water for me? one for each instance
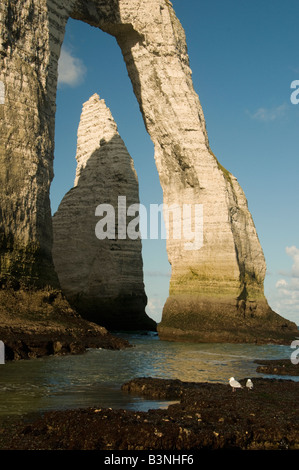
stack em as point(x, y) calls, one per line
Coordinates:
point(95, 377)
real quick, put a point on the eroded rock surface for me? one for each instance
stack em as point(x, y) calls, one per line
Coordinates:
point(102, 278)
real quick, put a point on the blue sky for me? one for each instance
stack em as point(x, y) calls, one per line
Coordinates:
point(244, 57)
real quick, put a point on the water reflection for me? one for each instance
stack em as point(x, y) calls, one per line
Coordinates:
point(95, 378)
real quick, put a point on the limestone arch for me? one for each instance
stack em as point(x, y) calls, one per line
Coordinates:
point(218, 284)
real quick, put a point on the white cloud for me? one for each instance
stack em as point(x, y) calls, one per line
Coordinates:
point(154, 308)
point(293, 251)
point(269, 114)
point(281, 283)
point(286, 300)
point(71, 70)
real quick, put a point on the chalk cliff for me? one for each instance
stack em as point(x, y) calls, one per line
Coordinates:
point(101, 274)
point(216, 291)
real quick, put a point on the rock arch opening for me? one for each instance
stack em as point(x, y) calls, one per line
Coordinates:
point(92, 290)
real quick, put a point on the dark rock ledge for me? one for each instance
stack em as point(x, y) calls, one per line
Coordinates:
point(207, 416)
point(35, 323)
point(277, 367)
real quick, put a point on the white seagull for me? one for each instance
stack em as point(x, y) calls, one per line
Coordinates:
point(249, 384)
point(234, 383)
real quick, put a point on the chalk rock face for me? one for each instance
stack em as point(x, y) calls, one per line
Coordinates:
point(216, 288)
point(101, 277)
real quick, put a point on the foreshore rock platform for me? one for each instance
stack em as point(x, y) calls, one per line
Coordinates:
point(207, 416)
point(277, 367)
point(36, 323)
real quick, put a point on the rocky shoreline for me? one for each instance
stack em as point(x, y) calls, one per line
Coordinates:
point(207, 416)
point(277, 367)
point(36, 323)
